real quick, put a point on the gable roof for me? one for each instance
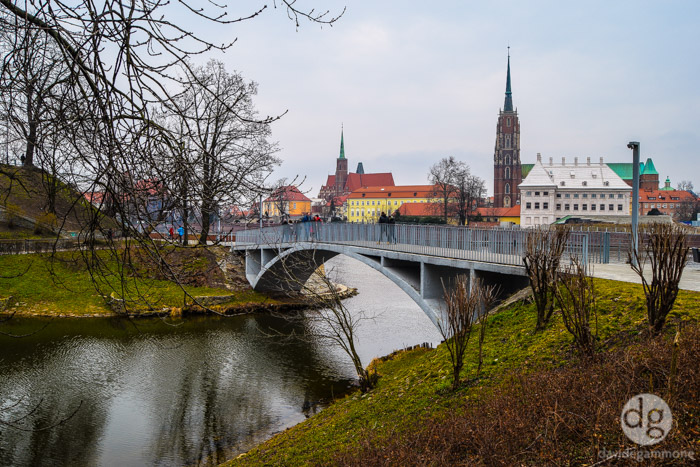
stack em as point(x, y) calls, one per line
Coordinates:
point(356, 180)
point(574, 176)
point(419, 209)
point(513, 211)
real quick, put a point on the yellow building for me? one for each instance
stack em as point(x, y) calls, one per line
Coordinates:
point(367, 204)
point(286, 202)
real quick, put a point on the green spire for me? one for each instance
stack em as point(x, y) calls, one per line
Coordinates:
point(508, 106)
point(342, 144)
point(649, 168)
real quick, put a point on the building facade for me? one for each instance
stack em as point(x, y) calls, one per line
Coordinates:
point(367, 204)
point(286, 202)
point(507, 173)
point(552, 191)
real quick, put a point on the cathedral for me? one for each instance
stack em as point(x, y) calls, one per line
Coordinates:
point(507, 172)
point(343, 182)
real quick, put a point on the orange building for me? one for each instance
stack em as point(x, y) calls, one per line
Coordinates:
point(286, 202)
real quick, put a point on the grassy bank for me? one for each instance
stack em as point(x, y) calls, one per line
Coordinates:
point(62, 285)
point(534, 403)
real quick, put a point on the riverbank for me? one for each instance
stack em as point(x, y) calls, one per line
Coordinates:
point(62, 285)
point(534, 402)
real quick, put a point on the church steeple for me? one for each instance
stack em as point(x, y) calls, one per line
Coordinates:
point(342, 144)
point(508, 106)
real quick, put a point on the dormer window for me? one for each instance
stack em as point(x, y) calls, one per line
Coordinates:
point(573, 174)
point(562, 183)
point(415, 194)
point(606, 183)
point(584, 183)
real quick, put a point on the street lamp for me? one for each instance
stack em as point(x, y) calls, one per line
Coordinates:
point(634, 146)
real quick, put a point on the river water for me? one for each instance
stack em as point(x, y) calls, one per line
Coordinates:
point(199, 392)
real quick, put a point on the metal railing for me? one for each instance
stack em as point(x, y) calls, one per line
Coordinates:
point(500, 246)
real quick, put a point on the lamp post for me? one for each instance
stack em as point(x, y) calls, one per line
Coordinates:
point(634, 146)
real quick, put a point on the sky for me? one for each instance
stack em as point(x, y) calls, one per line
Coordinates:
point(412, 82)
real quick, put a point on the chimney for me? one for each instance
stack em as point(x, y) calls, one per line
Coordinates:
point(563, 161)
point(576, 161)
point(588, 160)
point(551, 161)
point(539, 157)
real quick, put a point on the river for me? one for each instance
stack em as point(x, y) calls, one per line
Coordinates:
point(198, 391)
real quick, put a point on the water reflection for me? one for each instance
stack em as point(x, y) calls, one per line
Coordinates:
point(196, 393)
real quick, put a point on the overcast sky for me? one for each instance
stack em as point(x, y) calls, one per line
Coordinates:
point(413, 82)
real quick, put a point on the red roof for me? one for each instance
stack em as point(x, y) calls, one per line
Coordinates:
point(287, 193)
point(339, 200)
point(401, 191)
point(513, 211)
point(664, 196)
point(420, 209)
point(355, 180)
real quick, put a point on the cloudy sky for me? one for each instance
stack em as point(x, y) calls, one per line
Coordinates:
point(413, 82)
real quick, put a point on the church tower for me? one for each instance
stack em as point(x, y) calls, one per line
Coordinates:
point(507, 173)
point(341, 168)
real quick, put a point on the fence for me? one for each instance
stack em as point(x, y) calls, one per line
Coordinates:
point(501, 246)
point(14, 247)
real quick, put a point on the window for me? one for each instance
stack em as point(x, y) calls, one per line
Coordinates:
point(529, 193)
point(593, 195)
point(602, 207)
point(528, 205)
point(651, 198)
point(545, 193)
point(415, 194)
point(507, 160)
point(558, 206)
point(537, 205)
point(670, 206)
point(566, 207)
point(537, 193)
point(620, 196)
point(388, 194)
point(545, 205)
point(558, 195)
point(372, 202)
point(664, 204)
point(611, 207)
point(592, 207)
point(575, 207)
point(584, 207)
point(619, 207)
point(567, 195)
point(363, 203)
point(562, 183)
point(575, 195)
point(584, 183)
point(507, 173)
point(585, 195)
point(507, 188)
point(611, 195)
point(508, 121)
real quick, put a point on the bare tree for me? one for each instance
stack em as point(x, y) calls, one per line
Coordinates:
point(575, 295)
point(444, 176)
point(119, 63)
point(687, 209)
point(542, 258)
point(329, 319)
point(685, 185)
point(470, 189)
point(464, 303)
point(664, 248)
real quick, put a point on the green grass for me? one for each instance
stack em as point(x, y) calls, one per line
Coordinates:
point(415, 385)
point(62, 285)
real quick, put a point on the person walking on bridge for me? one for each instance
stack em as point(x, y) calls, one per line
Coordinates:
point(383, 224)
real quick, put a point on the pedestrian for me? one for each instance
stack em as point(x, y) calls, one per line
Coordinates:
point(306, 226)
point(392, 229)
point(383, 223)
point(180, 234)
point(171, 232)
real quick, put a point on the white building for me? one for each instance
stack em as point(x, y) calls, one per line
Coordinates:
point(553, 191)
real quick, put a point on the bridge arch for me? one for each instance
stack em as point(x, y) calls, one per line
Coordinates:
point(278, 265)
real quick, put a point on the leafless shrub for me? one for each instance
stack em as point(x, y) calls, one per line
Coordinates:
point(664, 248)
point(464, 304)
point(575, 295)
point(543, 251)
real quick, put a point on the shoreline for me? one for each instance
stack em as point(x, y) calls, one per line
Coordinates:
point(275, 305)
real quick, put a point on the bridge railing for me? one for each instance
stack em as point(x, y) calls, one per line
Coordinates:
point(501, 246)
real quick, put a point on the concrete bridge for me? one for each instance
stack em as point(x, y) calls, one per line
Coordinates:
point(419, 259)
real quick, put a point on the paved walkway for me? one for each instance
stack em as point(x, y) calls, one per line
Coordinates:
point(690, 280)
